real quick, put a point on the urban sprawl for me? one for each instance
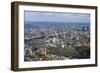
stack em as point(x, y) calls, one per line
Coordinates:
point(44, 43)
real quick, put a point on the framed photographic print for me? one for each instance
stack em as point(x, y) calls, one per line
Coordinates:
point(52, 36)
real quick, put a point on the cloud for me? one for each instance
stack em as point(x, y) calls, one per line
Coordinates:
point(48, 14)
point(56, 16)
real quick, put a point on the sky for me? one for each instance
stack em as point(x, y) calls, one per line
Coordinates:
point(41, 16)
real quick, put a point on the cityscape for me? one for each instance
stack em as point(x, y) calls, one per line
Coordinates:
point(56, 36)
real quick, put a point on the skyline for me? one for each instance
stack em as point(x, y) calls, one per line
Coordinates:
point(43, 16)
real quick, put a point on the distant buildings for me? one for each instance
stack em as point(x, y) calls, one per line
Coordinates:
point(40, 39)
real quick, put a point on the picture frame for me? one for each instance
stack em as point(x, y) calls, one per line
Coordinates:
point(49, 36)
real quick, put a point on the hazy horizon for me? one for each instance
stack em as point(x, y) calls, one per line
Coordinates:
point(43, 16)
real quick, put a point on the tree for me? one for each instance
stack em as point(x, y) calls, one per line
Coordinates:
point(84, 51)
